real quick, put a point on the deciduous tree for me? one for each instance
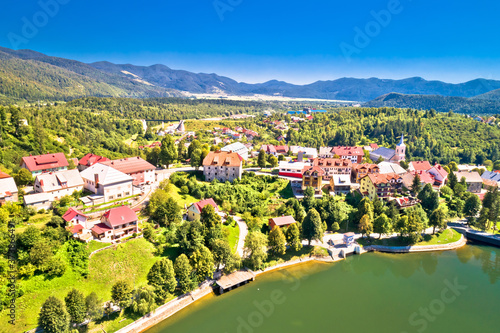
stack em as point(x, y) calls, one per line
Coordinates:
point(277, 241)
point(312, 227)
point(53, 317)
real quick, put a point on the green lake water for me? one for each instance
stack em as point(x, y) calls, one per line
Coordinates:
point(452, 291)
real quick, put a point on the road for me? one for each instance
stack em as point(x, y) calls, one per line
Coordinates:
point(243, 234)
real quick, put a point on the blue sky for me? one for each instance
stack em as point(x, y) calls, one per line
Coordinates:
point(257, 40)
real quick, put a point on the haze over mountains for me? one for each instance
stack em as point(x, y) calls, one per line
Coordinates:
point(30, 75)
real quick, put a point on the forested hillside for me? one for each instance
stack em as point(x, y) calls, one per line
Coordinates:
point(437, 137)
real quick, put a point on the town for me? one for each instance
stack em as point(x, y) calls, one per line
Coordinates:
point(225, 204)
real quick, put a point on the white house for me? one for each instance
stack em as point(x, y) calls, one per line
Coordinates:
point(8, 188)
point(140, 170)
point(107, 182)
point(38, 200)
point(59, 183)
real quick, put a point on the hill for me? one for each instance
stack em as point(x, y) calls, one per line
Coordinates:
point(438, 103)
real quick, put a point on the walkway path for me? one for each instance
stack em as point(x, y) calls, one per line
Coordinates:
point(243, 233)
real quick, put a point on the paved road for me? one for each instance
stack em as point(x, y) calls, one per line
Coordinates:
point(243, 233)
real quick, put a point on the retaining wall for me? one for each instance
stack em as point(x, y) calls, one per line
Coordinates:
point(417, 248)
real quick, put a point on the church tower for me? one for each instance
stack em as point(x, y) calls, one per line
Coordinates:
point(400, 150)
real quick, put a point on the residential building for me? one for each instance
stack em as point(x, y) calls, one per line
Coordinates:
point(341, 184)
point(282, 221)
point(440, 175)
point(107, 182)
point(388, 167)
point(59, 183)
point(275, 150)
point(419, 166)
point(8, 189)
point(75, 217)
point(305, 152)
point(425, 178)
point(45, 163)
point(489, 185)
point(238, 148)
point(312, 177)
point(473, 180)
point(491, 175)
point(371, 147)
point(354, 154)
point(223, 166)
point(405, 202)
point(116, 223)
point(140, 170)
point(194, 211)
point(381, 185)
point(38, 200)
point(291, 169)
point(89, 160)
point(390, 155)
point(361, 170)
point(333, 166)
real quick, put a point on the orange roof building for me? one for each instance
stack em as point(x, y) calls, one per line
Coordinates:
point(223, 166)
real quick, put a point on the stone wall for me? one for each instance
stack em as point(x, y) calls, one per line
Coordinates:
point(418, 248)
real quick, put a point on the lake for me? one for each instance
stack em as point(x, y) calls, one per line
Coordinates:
point(452, 291)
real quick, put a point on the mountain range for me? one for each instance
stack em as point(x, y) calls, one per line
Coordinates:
point(30, 75)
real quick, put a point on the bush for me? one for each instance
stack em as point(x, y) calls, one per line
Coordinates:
point(56, 267)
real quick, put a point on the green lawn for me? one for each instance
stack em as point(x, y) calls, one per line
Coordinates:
point(182, 199)
point(94, 245)
point(37, 220)
point(233, 235)
point(130, 261)
point(445, 237)
point(491, 231)
point(290, 255)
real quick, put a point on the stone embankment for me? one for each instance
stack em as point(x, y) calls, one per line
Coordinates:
point(418, 248)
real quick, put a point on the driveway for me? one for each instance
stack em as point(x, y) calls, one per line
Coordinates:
point(243, 233)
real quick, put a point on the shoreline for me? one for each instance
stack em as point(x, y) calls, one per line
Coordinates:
point(177, 304)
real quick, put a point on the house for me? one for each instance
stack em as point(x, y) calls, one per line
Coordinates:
point(361, 170)
point(381, 185)
point(8, 189)
point(107, 182)
point(237, 147)
point(371, 147)
point(388, 167)
point(38, 200)
point(194, 211)
point(306, 152)
point(489, 184)
point(282, 221)
point(116, 223)
point(89, 160)
point(75, 217)
point(405, 202)
point(236, 136)
point(59, 183)
point(440, 175)
point(223, 166)
point(333, 166)
point(140, 170)
point(45, 163)
point(275, 150)
point(341, 184)
point(312, 177)
point(354, 154)
point(473, 180)
point(291, 169)
point(390, 155)
point(425, 178)
point(419, 166)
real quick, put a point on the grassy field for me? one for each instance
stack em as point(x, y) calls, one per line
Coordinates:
point(290, 255)
point(130, 261)
point(182, 199)
point(37, 220)
point(445, 237)
point(491, 231)
point(94, 245)
point(233, 235)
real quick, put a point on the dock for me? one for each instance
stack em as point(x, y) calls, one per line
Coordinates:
point(234, 280)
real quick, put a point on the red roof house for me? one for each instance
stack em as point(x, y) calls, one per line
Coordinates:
point(89, 160)
point(194, 211)
point(45, 163)
point(282, 221)
point(122, 221)
point(142, 171)
point(74, 216)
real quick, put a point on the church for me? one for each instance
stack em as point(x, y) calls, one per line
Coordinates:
point(390, 155)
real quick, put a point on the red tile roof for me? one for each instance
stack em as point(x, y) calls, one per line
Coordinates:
point(200, 204)
point(120, 215)
point(332, 162)
point(100, 228)
point(378, 178)
point(441, 170)
point(309, 170)
point(47, 161)
point(91, 159)
point(348, 151)
point(373, 145)
point(75, 229)
point(71, 213)
point(3, 175)
point(222, 158)
point(421, 165)
point(130, 165)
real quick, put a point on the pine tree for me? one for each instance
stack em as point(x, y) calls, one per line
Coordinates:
point(261, 159)
point(366, 225)
point(53, 317)
point(75, 305)
point(183, 272)
point(416, 184)
point(277, 241)
point(293, 237)
point(312, 227)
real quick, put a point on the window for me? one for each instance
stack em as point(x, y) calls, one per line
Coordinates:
point(119, 196)
point(111, 197)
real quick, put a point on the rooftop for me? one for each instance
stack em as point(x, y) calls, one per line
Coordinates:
point(60, 179)
point(106, 174)
point(130, 165)
point(223, 158)
point(47, 161)
point(283, 220)
point(120, 215)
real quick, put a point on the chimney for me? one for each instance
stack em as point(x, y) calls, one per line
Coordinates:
point(41, 182)
point(96, 180)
